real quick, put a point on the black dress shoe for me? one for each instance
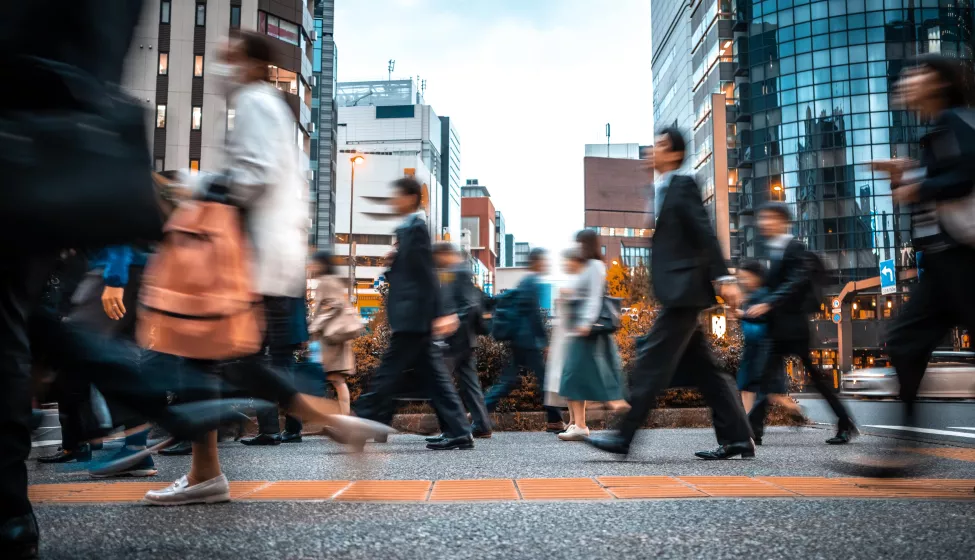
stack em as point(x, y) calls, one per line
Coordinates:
point(262, 439)
point(436, 438)
point(82, 455)
point(181, 448)
point(758, 441)
point(844, 434)
point(18, 537)
point(290, 437)
point(611, 444)
point(482, 434)
point(555, 427)
point(446, 444)
point(744, 448)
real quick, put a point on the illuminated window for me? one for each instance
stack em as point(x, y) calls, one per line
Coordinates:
point(197, 118)
point(198, 65)
point(163, 64)
point(160, 116)
point(194, 166)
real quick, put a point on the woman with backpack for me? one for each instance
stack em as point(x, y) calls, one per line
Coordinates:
point(592, 370)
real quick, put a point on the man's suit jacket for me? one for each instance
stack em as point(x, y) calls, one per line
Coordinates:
point(686, 257)
point(789, 281)
point(414, 289)
point(459, 295)
point(531, 325)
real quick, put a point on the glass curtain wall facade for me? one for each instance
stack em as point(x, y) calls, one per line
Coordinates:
point(324, 137)
point(670, 65)
point(816, 79)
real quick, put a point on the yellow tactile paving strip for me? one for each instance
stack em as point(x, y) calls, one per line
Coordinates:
point(551, 489)
point(966, 454)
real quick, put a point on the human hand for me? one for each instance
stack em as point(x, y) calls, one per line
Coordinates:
point(893, 167)
point(584, 330)
point(907, 194)
point(758, 310)
point(445, 326)
point(731, 294)
point(112, 302)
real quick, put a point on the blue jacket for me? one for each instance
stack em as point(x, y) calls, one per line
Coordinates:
point(116, 260)
point(531, 327)
point(754, 331)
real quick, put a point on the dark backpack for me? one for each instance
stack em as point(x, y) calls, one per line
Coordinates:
point(480, 324)
point(505, 319)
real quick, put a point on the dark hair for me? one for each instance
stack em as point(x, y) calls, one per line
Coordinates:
point(256, 46)
point(537, 255)
point(589, 245)
point(324, 258)
point(676, 140)
point(410, 187)
point(953, 72)
point(780, 209)
point(754, 267)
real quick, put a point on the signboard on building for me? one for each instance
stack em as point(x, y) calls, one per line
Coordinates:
point(888, 277)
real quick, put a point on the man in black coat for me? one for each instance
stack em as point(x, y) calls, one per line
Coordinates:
point(461, 297)
point(686, 262)
point(415, 313)
point(792, 296)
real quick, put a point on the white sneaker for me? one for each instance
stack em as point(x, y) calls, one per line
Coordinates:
point(181, 493)
point(574, 433)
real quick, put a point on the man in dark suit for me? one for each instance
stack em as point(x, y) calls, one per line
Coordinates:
point(686, 262)
point(792, 296)
point(529, 342)
point(414, 309)
point(461, 297)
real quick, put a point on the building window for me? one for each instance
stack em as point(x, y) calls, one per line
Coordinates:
point(235, 17)
point(603, 249)
point(201, 15)
point(278, 28)
point(198, 66)
point(164, 8)
point(231, 115)
point(197, 118)
point(160, 165)
point(194, 166)
point(160, 116)
point(163, 64)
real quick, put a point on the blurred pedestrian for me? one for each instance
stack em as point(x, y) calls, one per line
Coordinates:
point(592, 369)
point(572, 263)
point(331, 300)
point(529, 340)
point(939, 190)
point(416, 318)
point(686, 261)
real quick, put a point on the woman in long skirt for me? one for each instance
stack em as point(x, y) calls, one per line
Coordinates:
point(592, 370)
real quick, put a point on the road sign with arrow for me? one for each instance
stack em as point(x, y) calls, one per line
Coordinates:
point(888, 277)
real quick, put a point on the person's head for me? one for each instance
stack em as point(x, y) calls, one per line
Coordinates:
point(247, 58)
point(774, 219)
point(322, 263)
point(669, 150)
point(573, 261)
point(589, 248)
point(407, 194)
point(538, 261)
point(751, 275)
point(934, 84)
point(445, 254)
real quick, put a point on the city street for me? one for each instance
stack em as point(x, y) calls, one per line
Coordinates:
point(523, 495)
point(950, 422)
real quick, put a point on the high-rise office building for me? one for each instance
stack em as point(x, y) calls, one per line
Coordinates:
point(522, 251)
point(450, 178)
point(499, 235)
point(509, 250)
point(168, 67)
point(670, 64)
point(618, 202)
point(324, 117)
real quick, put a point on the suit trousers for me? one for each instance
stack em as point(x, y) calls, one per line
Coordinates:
point(521, 358)
point(676, 342)
point(464, 369)
point(416, 352)
point(943, 299)
point(775, 365)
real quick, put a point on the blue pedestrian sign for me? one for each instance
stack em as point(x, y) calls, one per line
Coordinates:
point(888, 277)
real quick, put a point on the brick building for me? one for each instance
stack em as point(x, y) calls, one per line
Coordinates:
point(618, 206)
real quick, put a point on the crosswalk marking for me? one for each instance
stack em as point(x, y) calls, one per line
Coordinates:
point(960, 428)
point(925, 431)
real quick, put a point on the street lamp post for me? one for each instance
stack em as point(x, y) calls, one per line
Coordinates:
point(355, 160)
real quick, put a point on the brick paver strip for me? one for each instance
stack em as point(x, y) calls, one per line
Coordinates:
point(386, 491)
point(946, 453)
point(473, 490)
point(601, 488)
point(299, 490)
point(561, 489)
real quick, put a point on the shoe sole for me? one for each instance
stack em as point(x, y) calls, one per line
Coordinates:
point(483, 436)
point(744, 457)
point(218, 499)
point(138, 473)
point(572, 438)
point(452, 448)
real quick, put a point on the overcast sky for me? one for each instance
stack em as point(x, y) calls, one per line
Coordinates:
point(528, 83)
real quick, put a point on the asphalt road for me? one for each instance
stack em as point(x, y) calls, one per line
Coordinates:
point(942, 421)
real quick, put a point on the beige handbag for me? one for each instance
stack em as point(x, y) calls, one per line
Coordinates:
point(336, 325)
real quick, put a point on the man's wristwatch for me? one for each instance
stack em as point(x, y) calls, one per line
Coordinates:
point(727, 279)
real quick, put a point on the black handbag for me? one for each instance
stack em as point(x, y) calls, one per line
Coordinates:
point(610, 315)
point(78, 173)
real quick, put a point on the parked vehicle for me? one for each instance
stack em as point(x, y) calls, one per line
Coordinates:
point(950, 375)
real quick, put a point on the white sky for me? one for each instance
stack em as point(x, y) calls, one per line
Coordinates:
point(527, 82)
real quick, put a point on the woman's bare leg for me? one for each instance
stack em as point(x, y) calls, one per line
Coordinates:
point(342, 390)
point(748, 400)
point(206, 461)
